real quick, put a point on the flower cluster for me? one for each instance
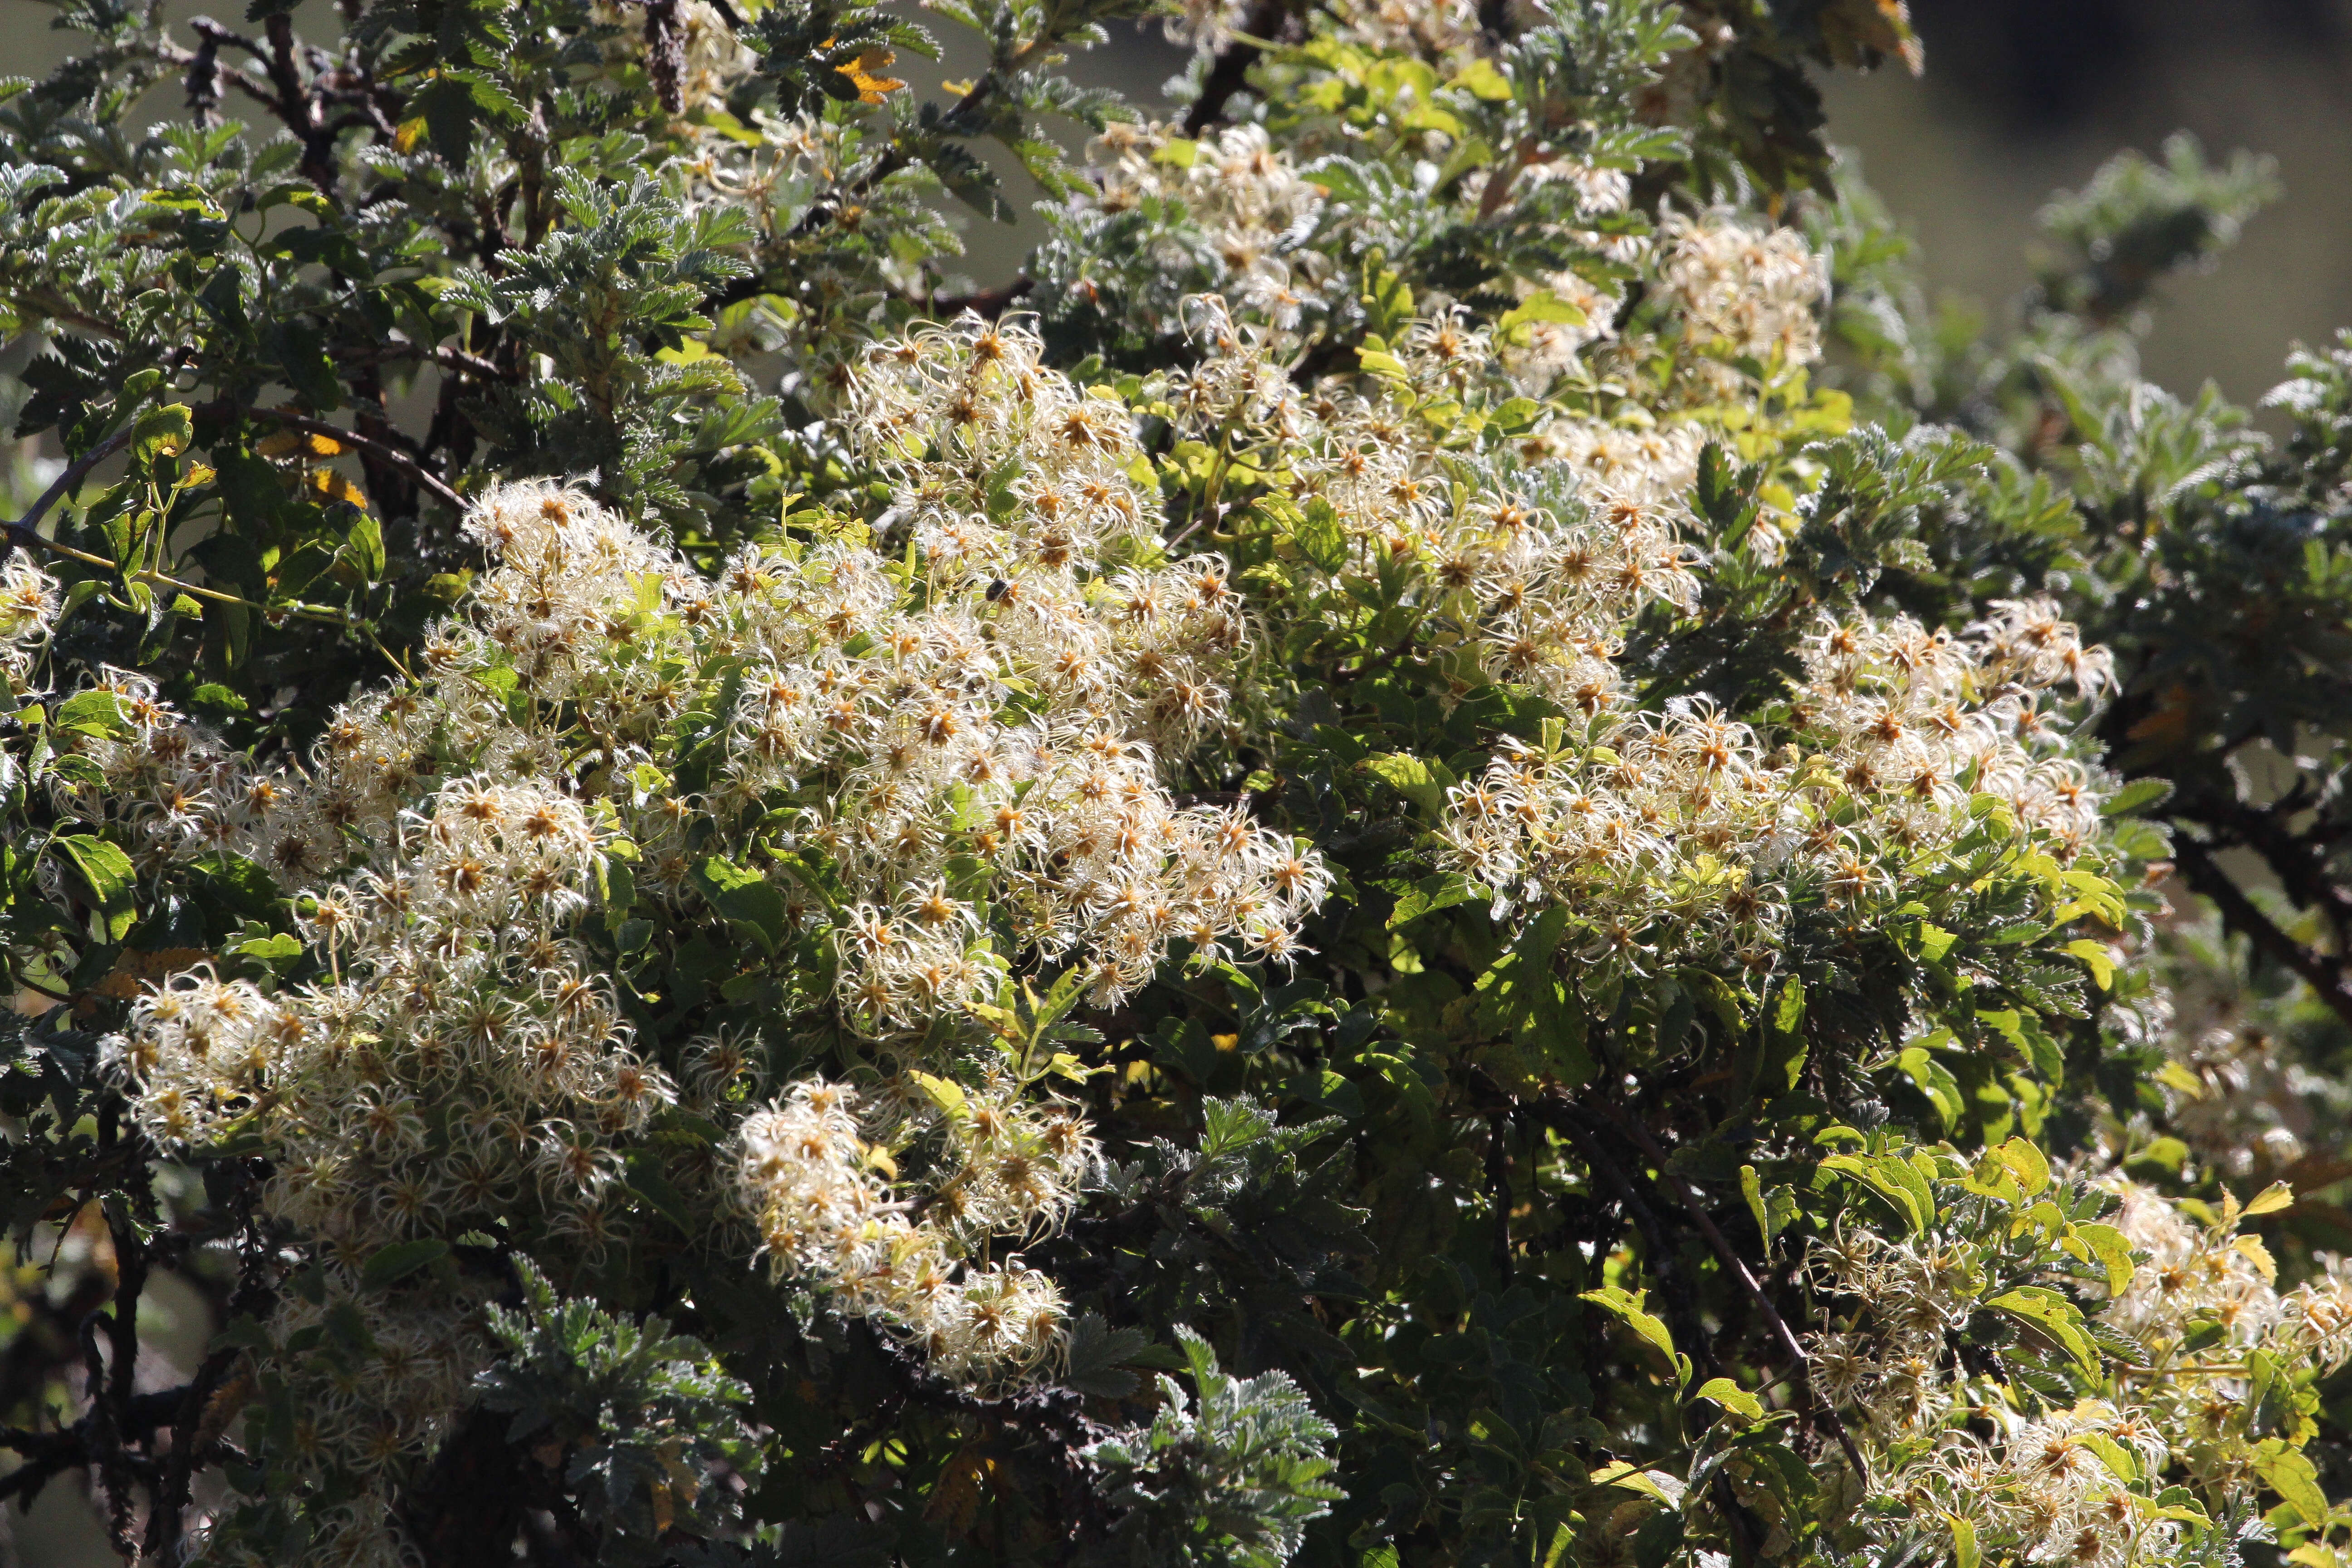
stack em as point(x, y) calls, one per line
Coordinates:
point(942, 770)
point(1741, 290)
point(1675, 836)
point(1228, 214)
point(823, 1208)
point(2075, 1484)
point(28, 608)
point(459, 1064)
point(1669, 836)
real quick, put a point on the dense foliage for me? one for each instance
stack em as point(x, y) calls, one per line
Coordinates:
point(1452, 846)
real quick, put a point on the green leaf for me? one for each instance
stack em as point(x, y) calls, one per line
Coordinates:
point(2294, 1478)
point(402, 1258)
point(1892, 1179)
point(2055, 1316)
point(1320, 535)
point(163, 432)
point(1752, 1189)
point(1732, 1397)
point(2111, 1454)
point(98, 713)
point(2136, 796)
point(1628, 1309)
point(1429, 896)
point(1935, 941)
point(746, 900)
point(106, 877)
point(1418, 779)
point(364, 547)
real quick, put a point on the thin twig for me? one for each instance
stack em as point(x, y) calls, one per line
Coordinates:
point(384, 450)
point(1729, 1257)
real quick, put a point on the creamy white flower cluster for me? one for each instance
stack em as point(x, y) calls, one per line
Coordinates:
point(1668, 836)
point(1251, 208)
point(1674, 836)
point(1016, 716)
point(2208, 1273)
point(461, 1065)
point(2048, 1488)
point(28, 609)
point(954, 753)
point(1539, 576)
point(825, 1209)
point(1749, 289)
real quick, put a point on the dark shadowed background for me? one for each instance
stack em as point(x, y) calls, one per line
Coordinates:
point(2020, 97)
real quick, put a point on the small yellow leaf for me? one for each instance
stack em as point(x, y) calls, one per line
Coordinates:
point(947, 1095)
point(2175, 1076)
point(862, 71)
point(2271, 1200)
point(334, 486)
point(2259, 1254)
point(409, 134)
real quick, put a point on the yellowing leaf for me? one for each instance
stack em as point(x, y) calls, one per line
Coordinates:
point(2253, 1248)
point(334, 486)
point(947, 1095)
point(2271, 1200)
point(2114, 1251)
point(1964, 1542)
point(299, 444)
point(1481, 80)
point(2029, 1165)
point(1621, 1474)
point(1732, 1397)
point(871, 87)
point(2097, 957)
point(2175, 1076)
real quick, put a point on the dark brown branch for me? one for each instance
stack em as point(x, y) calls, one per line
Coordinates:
point(2324, 974)
point(25, 532)
point(1737, 1268)
point(2299, 863)
point(384, 449)
point(989, 303)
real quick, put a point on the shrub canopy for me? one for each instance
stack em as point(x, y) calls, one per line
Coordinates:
point(1452, 846)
